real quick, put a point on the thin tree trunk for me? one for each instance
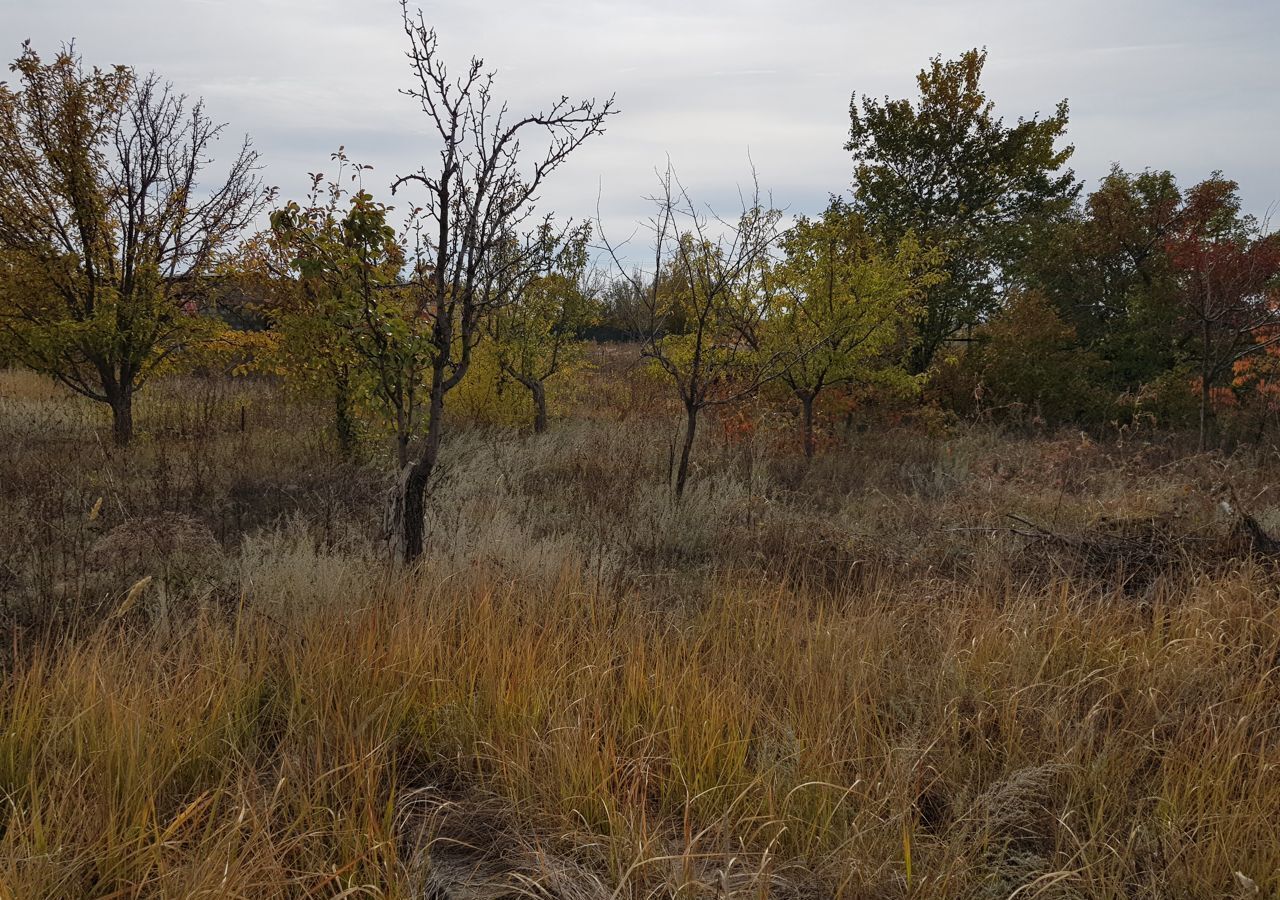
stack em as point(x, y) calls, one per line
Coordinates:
point(404, 432)
point(1205, 396)
point(691, 425)
point(1205, 400)
point(922, 353)
point(918, 362)
point(806, 402)
point(537, 391)
point(402, 447)
point(539, 406)
point(343, 422)
point(122, 417)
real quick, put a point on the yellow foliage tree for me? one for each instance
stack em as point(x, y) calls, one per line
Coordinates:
point(109, 225)
point(843, 306)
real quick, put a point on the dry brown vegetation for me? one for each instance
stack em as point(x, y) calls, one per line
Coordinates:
point(857, 677)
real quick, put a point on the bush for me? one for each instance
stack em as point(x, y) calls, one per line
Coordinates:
point(1025, 365)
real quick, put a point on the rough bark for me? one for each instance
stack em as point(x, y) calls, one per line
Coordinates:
point(682, 474)
point(539, 407)
point(806, 423)
point(122, 416)
point(402, 448)
point(406, 513)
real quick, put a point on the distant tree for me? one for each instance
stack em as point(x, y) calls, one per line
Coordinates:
point(704, 304)
point(622, 310)
point(1106, 269)
point(1027, 358)
point(480, 197)
point(537, 334)
point(949, 170)
point(1228, 271)
point(109, 225)
point(843, 307)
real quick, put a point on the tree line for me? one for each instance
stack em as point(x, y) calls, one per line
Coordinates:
point(965, 265)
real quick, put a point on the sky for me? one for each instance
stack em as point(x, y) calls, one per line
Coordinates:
point(715, 86)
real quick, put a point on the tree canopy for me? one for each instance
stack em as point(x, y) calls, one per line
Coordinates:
point(108, 229)
point(948, 169)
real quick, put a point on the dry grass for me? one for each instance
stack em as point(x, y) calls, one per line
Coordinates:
point(848, 679)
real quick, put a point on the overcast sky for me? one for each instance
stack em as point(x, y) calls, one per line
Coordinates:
point(1188, 85)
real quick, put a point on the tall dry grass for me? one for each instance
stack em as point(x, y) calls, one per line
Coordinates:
point(845, 679)
point(922, 741)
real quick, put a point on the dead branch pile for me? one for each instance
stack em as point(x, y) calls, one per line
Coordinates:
point(1132, 555)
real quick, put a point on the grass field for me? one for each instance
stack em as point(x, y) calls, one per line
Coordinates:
point(854, 678)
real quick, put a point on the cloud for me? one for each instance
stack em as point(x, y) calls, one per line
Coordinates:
point(1181, 84)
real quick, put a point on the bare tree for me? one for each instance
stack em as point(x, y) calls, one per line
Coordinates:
point(704, 301)
point(481, 236)
point(106, 224)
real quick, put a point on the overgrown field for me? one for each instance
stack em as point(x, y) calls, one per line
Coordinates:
point(935, 662)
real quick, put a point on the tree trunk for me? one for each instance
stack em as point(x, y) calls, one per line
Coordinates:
point(1205, 395)
point(408, 526)
point(539, 406)
point(122, 416)
point(931, 337)
point(406, 512)
point(682, 474)
point(402, 448)
point(1205, 400)
point(343, 422)
point(806, 402)
point(919, 360)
